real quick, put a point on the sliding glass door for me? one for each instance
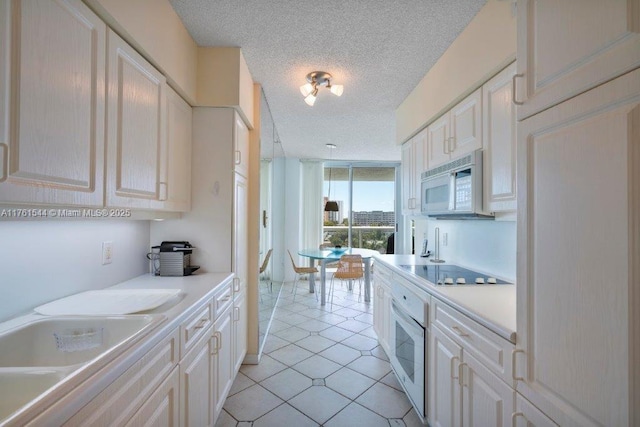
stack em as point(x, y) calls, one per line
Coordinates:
point(366, 196)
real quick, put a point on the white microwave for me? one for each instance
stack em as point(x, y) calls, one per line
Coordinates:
point(454, 190)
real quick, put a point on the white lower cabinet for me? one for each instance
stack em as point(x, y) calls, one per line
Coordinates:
point(197, 379)
point(382, 306)
point(162, 408)
point(444, 385)
point(239, 330)
point(223, 359)
point(527, 415)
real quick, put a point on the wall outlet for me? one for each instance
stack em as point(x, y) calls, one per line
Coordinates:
point(445, 239)
point(107, 252)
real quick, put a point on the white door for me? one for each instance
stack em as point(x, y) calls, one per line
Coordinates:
point(466, 125)
point(239, 330)
point(240, 236)
point(52, 103)
point(578, 175)
point(487, 401)
point(240, 146)
point(444, 384)
point(499, 141)
point(136, 134)
point(196, 388)
point(438, 142)
point(162, 408)
point(570, 46)
point(177, 190)
point(527, 415)
point(223, 357)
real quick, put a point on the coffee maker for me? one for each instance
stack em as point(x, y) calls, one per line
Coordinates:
point(175, 259)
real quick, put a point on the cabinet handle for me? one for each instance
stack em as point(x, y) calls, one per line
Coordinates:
point(445, 145)
point(238, 157)
point(163, 195)
point(515, 416)
point(460, 373)
point(513, 91)
point(451, 138)
point(236, 284)
point(218, 341)
point(201, 324)
point(453, 377)
point(459, 331)
point(236, 314)
point(5, 161)
point(513, 365)
point(215, 347)
point(226, 298)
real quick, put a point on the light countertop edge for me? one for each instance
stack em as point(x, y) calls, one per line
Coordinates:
point(64, 401)
point(492, 306)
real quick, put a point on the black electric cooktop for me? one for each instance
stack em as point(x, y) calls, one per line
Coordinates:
point(451, 275)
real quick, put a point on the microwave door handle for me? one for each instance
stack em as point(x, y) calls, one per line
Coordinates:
point(452, 191)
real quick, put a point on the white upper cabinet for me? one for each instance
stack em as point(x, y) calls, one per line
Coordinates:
point(178, 186)
point(499, 138)
point(136, 135)
point(52, 97)
point(457, 132)
point(413, 164)
point(579, 257)
point(567, 47)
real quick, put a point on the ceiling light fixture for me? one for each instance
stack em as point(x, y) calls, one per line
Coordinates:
point(331, 205)
point(315, 80)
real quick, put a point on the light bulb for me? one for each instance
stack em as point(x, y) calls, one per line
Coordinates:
point(310, 99)
point(337, 89)
point(306, 89)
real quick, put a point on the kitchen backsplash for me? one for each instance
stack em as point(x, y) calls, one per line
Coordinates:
point(44, 260)
point(483, 245)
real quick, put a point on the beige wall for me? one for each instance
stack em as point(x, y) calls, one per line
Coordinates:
point(156, 31)
point(224, 81)
point(486, 46)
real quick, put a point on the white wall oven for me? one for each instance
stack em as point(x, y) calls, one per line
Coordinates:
point(409, 333)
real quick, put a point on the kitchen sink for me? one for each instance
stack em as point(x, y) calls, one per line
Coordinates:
point(38, 356)
point(72, 340)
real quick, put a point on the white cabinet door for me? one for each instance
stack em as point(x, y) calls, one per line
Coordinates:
point(499, 140)
point(438, 142)
point(162, 408)
point(136, 134)
point(466, 125)
point(197, 381)
point(527, 415)
point(565, 48)
point(444, 383)
point(223, 360)
point(486, 400)
point(578, 256)
point(177, 189)
point(52, 97)
point(240, 237)
point(240, 146)
point(239, 331)
point(408, 172)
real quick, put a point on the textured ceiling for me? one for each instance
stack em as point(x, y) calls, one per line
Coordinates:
point(378, 49)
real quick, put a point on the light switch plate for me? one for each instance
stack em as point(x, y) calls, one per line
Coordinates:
point(107, 252)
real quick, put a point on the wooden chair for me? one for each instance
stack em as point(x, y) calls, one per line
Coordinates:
point(349, 268)
point(263, 268)
point(298, 272)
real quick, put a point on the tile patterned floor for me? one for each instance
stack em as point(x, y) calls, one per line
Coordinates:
point(321, 366)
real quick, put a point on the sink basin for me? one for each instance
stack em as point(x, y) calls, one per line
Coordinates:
point(40, 355)
point(64, 341)
point(21, 387)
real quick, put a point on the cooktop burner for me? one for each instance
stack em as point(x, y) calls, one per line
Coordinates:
point(452, 275)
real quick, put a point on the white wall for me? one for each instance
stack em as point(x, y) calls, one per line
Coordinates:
point(484, 245)
point(44, 260)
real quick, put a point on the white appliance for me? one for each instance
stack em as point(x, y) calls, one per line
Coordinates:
point(409, 318)
point(454, 190)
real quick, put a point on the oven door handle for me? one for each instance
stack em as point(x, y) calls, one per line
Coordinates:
point(415, 327)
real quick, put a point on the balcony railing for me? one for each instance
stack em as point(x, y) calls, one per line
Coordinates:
point(368, 237)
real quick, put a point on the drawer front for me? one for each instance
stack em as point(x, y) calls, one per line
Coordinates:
point(194, 328)
point(222, 299)
point(116, 404)
point(492, 350)
point(383, 273)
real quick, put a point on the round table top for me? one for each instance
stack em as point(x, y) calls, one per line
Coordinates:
point(330, 254)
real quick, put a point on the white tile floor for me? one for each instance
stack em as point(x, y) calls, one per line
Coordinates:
point(320, 366)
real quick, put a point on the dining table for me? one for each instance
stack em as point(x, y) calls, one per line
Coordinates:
point(328, 255)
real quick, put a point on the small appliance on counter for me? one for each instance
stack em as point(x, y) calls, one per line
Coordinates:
point(175, 259)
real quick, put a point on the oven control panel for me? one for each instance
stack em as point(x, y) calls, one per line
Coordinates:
point(413, 301)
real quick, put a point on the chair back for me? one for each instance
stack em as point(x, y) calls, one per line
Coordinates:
point(349, 267)
point(295, 267)
point(265, 262)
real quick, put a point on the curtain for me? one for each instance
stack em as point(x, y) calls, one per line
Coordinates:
point(311, 184)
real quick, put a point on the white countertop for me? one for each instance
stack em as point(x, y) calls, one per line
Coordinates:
point(493, 306)
point(73, 393)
